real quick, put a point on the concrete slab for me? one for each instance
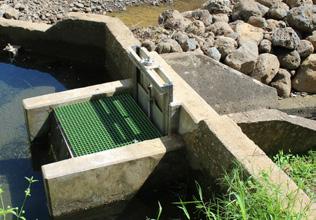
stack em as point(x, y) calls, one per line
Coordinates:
point(273, 130)
point(110, 177)
point(304, 106)
point(222, 87)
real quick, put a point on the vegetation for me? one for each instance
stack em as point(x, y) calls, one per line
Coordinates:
point(301, 168)
point(19, 213)
point(245, 199)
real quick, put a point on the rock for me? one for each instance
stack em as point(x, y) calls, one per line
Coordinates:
point(20, 7)
point(244, 58)
point(168, 46)
point(266, 68)
point(181, 38)
point(220, 28)
point(214, 53)
point(174, 20)
point(274, 24)
point(297, 3)
point(258, 22)
point(196, 27)
point(209, 42)
point(202, 15)
point(265, 46)
point(278, 11)
point(225, 45)
point(244, 9)
point(302, 18)
point(149, 45)
point(305, 78)
point(8, 12)
point(312, 39)
point(282, 83)
point(290, 60)
point(220, 17)
point(268, 3)
point(218, 6)
point(305, 48)
point(248, 32)
point(190, 45)
point(285, 37)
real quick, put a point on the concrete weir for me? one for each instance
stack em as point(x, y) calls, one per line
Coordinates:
point(110, 178)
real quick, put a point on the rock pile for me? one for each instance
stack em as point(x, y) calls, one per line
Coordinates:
point(272, 41)
point(50, 11)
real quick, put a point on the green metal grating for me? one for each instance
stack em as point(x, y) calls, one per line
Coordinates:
point(104, 123)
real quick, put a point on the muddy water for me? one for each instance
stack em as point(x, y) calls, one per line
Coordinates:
point(144, 16)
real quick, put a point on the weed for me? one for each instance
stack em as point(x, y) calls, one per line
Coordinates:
point(301, 168)
point(245, 199)
point(19, 213)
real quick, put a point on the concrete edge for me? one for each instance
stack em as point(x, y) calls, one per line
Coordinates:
point(110, 157)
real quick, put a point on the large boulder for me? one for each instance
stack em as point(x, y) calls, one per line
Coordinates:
point(244, 9)
point(266, 68)
point(268, 3)
point(312, 39)
point(305, 48)
point(302, 18)
point(248, 32)
point(220, 28)
point(285, 37)
point(8, 12)
point(168, 46)
point(218, 6)
point(282, 83)
point(225, 45)
point(265, 46)
point(297, 3)
point(290, 60)
point(278, 11)
point(196, 27)
point(202, 15)
point(305, 78)
point(244, 58)
point(174, 20)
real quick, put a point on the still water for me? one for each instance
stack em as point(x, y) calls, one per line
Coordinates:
point(147, 15)
point(16, 84)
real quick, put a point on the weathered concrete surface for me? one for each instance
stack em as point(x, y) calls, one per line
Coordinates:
point(273, 130)
point(88, 38)
point(38, 109)
point(222, 87)
point(104, 178)
point(302, 106)
point(214, 142)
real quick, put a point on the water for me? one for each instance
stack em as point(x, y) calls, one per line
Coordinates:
point(17, 84)
point(146, 15)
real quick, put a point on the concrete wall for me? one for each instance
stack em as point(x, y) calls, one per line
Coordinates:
point(91, 39)
point(108, 178)
point(273, 130)
point(222, 87)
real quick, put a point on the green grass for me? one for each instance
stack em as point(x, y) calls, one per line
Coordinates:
point(301, 168)
point(245, 199)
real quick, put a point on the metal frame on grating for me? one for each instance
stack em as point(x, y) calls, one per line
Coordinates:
point(104, 123)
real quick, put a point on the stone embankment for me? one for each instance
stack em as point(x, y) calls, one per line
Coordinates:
point(272, 41)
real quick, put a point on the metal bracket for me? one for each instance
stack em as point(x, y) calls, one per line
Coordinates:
point(153, 88)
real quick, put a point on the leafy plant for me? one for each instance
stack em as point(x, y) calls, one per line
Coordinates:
point(245, 199)
point(19, 213)
point(159, 213)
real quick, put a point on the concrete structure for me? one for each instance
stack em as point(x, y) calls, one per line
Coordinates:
point(301, 106)
point(273, 130)
point(212, 142)
point(222, 87)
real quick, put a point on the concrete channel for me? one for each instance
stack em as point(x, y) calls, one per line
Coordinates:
point(187, 122)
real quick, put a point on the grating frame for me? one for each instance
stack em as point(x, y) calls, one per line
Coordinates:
point(105, 123)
